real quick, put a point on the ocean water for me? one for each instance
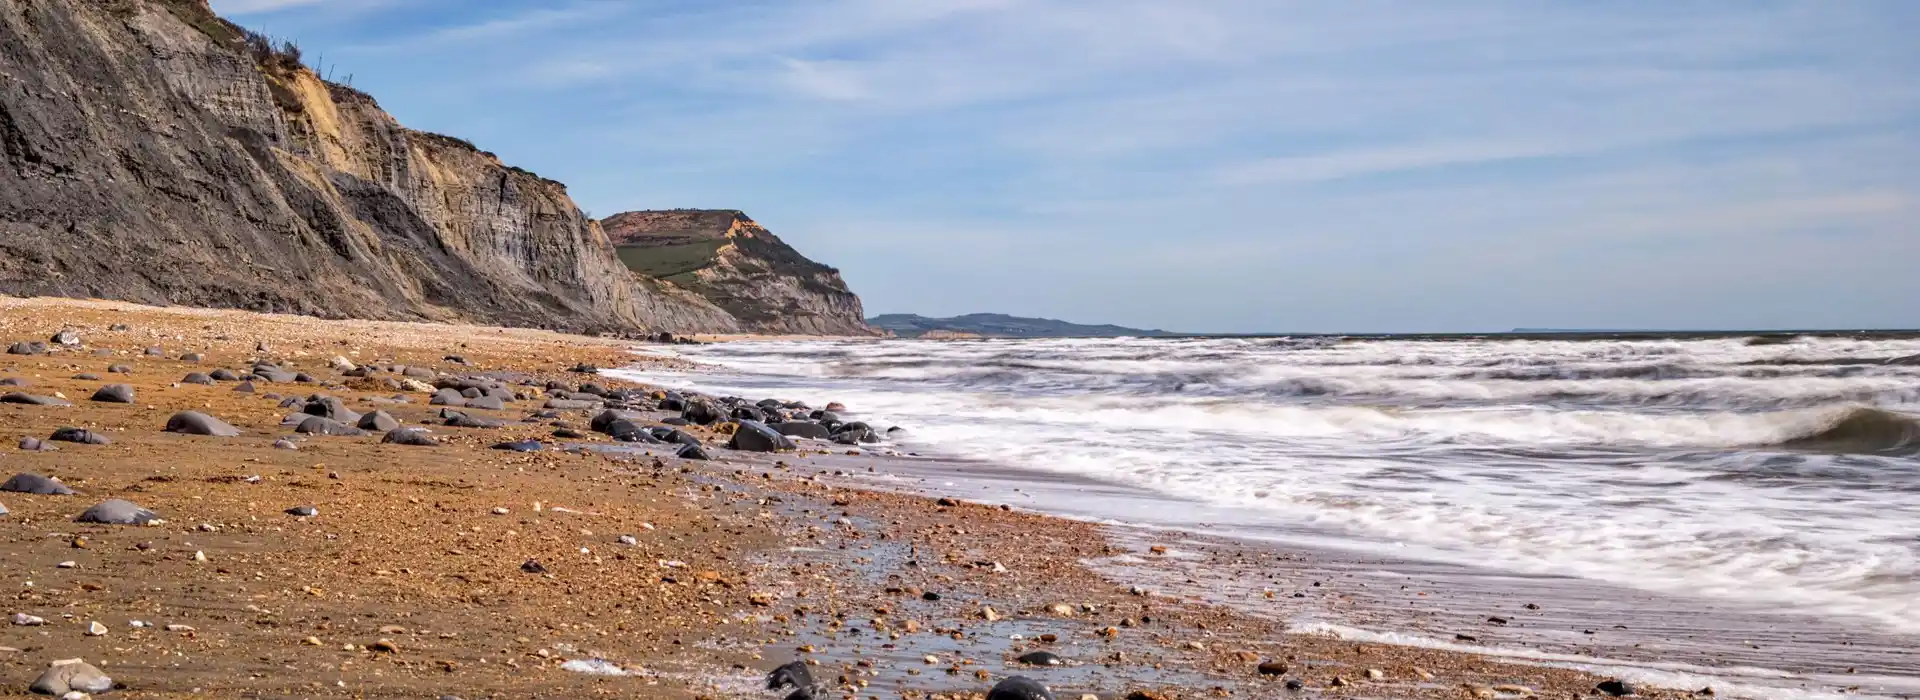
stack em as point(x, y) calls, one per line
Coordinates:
point(1780, 477)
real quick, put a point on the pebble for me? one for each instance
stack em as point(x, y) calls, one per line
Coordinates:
point(1376, 674)
point(67, 565)
point(95, 629)
point(628, 540)
point(25, 620)
point(1273, 668)
point(500, 510)
point(303, 511)
point(1040, 658)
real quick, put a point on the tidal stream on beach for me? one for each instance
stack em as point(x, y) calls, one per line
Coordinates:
point(1717, 507)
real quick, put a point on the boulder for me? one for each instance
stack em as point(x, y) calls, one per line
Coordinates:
point(223, 374)
point(14, 381)
point(33, 348)
point(197, 423)
point(666, 434)
point(748, 413)
point(71, 676)
point(245, 387)
point(447, 397)
point(754, 436)
point(117, 512)
point(793, 674)
point(192, 357)
point(274, 374)
point(802, 429)
point(330, 407)
point(379, 420)
point(36, 484)
point(200, 378)
point(856, 436)
point(65, 337)
point(28, 444)
point(79, 435)
point(521, 446)
point(694, 452)
point(32, 400)
point(319, 425)
point(409, 436)
point(456, 419)
point(1019, 688)
point(114, 393)
point(487, 403)
point(702, 413)
point(606, 418)
point(120, 369)
point(1040, 658)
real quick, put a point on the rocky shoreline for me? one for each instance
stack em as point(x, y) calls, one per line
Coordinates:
point(546, 539)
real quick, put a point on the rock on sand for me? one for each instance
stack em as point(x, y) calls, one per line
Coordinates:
point(197, 423)
point(117, 512)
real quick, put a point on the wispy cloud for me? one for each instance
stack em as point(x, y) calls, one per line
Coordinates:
point(1148, 159)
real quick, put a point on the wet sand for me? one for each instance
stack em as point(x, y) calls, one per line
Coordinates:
point(408, 584)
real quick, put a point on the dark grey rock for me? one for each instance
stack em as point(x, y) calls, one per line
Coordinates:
point(332, 407)
point(569, 434)
point(1040, 658)
point(606, 418)
point(197, 423)
point(29, 444)
point(320, 425)
point(155, 351)
point(856, 436)
point(702, 413)
point(65, 337)
point(521, 446)
point(245, 387)
point(117, 512)
point(456, 419)
point(409, 436)
point(805, 430)
point(200, 378)
point(87, 377)
point(120, 369)
point(79, 435)
point(793, 674)
point(14, 381)
point(114, 393)
point(36, 484)
point(33, 400)
point(694, 452)
point(1019, 688)
point(666, 434)
point(33, 348)
point(487, 403)
point(303, 511)
point(754, 436)
point(379, 420)
point(447, 397)
point(1614, 687)
point(223, 374)
point(572, 405)
point(285, 444)
point(192, 357)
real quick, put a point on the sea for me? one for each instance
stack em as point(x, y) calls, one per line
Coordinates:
point(1777, 476)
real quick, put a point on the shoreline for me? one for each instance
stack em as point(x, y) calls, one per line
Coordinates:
point(468, 571)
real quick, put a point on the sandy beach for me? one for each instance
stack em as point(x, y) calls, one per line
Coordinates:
point(587, 569)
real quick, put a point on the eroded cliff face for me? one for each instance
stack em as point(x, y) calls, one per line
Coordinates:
point(741, 267)
point(147, 154)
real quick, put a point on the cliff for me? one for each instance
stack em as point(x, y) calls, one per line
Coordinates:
point(153, 152)
point(741, 267)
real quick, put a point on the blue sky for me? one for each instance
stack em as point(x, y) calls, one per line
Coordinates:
point(1218, 165)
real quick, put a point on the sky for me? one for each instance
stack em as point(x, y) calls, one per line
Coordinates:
point(1217, 165)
